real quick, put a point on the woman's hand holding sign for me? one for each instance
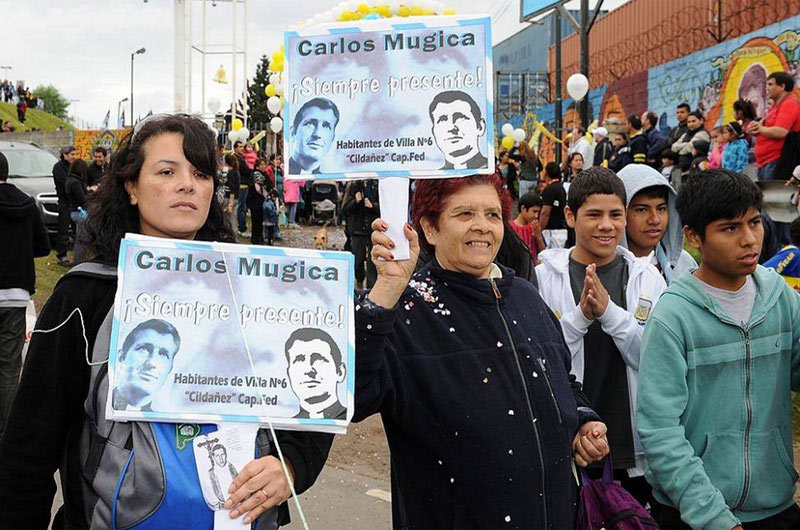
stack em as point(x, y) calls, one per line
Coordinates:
point(260, 485)
point(393, 276)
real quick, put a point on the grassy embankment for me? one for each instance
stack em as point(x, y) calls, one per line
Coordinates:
point(34, 119)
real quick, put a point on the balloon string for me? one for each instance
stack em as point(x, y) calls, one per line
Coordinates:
point(266, 410)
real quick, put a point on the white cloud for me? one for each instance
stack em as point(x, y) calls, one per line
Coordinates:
point(83, 47)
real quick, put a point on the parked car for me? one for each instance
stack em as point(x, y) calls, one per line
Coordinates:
point(30, 169)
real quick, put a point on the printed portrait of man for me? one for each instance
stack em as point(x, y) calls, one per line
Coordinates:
point(315, 369)
point(313, 131)
point(457, 124)
point(144, 363)
point(221, 469)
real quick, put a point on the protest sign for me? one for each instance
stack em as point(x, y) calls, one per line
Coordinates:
point(380, 98)
point(214, 332)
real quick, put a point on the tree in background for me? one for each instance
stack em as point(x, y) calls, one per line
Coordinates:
point(54, 102)
point(256, 98)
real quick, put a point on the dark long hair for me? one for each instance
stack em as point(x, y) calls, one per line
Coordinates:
point(111, 214)
point(80, 168)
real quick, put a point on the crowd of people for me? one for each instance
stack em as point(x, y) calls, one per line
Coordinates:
point(23, 97)
point(518, 339)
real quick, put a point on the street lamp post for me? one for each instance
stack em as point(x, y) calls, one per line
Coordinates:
point(119, 106)
point(137, 52)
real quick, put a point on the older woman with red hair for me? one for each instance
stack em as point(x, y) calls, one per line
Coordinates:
point(469, 371)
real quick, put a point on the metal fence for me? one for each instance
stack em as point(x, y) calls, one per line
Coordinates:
point(519, 93)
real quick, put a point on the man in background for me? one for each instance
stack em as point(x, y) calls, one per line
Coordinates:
point(22, 237)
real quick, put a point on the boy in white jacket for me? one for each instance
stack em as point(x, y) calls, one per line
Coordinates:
point(603, 295)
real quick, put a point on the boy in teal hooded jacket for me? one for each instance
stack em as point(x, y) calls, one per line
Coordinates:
point(720, 358)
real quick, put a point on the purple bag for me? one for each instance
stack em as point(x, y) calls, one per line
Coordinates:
point(605, 504)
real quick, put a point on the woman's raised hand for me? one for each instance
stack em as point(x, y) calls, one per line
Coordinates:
point(393, 276)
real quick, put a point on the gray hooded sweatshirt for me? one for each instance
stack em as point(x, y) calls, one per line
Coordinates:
point(672, 259)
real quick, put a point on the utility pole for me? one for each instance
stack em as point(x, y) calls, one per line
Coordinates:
point(584, 29)
point(134, 54)
point(558, 117)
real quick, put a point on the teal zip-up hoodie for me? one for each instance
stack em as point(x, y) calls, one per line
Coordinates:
point(714, 406)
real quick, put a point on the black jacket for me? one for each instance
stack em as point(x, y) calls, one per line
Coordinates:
point(638, 145)
point(48, 412)
point(359, 217)
point(22, 238)
point(245, 173)
point(95, 173)
point(60, 174)
point(74, 194)
point(475, 396)
point(603, 151)
point(675, 134)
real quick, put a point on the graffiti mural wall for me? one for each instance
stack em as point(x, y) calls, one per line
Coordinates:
point(709, 80)
point(86, 141)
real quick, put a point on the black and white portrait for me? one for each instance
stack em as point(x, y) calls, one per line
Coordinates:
point(315, 369)
point(144, 363)
point(313, 131)
point(457, 124)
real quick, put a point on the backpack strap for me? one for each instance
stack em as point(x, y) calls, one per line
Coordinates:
point(91, 269)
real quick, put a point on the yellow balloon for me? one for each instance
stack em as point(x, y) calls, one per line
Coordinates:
point(417, 11)
point(384, 11)
point(508, 142)
point(449, 11)
point(404, 11)
point(363, 8)
point(236, 124)
point(270, 91)
point(276, 67)
point(346, 17)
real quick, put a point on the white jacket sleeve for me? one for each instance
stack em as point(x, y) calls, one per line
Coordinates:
point(575, 326)
point(623, 326)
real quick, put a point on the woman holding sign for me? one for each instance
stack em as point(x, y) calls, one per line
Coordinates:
point(469, 371)
point(139, 475)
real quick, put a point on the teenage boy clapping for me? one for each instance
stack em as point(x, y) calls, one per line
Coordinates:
point(603, 295)
point(723, 356)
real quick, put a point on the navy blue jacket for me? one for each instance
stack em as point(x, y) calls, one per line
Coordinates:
point(471, 380)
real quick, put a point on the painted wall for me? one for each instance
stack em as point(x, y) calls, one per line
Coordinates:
point(86, 141)
point(710, 80)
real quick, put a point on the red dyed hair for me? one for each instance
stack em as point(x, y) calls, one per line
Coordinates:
point(432, 194)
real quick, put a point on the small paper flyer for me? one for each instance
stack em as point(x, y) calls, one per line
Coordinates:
point(218, 332)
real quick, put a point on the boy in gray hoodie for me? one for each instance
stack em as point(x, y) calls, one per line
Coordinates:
point(653, 227)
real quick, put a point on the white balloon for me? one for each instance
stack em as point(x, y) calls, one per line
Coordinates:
point(213, 104)
point(244, 134)
point(577, 86)
point(279, 90)
point(274, 104)
point(233, 137)
point(507, 129)
point(274, 79)
point(276, 124)
point(518, 135)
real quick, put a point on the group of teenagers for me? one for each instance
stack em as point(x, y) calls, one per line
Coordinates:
point(492, 379)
